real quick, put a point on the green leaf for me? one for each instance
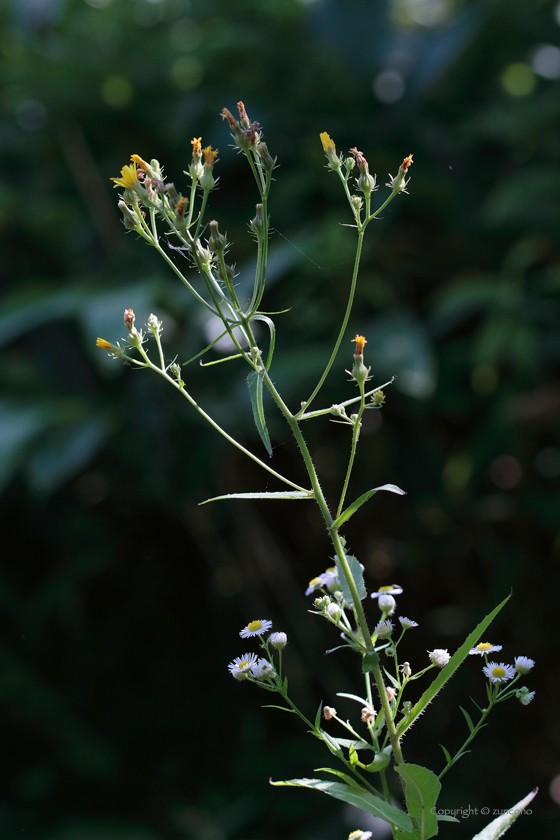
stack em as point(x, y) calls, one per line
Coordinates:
point(351, 509)
point(501, 824)
point(282, 708)
point(447, 672)
point(318, 715)
point(255, 383)
point(352, 755)
point(370, 661)
point(356, 572)
point(381, 761)
point(352, 697)
point(283, 494)
point(329, 741)
point(358, 745)
point(270, 323)
point(446, 754)
point(470, 724)
point(446, 818)
point(421, 790)
point(344, 776)
point(364, 800)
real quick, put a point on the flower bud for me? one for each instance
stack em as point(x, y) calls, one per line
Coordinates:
point(129, 319)
point(130, 221)
point(196, 168)
point(391, 693)
point(172, 195)
point(387, 604)
point(360, 372)
point(439, 657)
point(334, 611)
point(217, 242)
point(329, 713)
point(154, 325)
point(378, 398)
point(207, 180)
point(406, 669)
point(257, 224)
point(267, 161)
point(278, 640)
point(398, 184)
point(368, 714)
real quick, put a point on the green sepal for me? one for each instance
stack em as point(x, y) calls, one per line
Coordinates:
point(357, 574)
point(421, 789)
point(364, 799)
point(351, 509)
point(447, 672)
point(352, 756)
point(370, 661)
point(282, 494)
point(255, 383)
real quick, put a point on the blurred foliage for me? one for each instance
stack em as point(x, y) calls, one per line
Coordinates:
point(121, 598)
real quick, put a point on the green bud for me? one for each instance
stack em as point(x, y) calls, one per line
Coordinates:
point(217, 242)
point(130, 221)
point(257, 224)
point(378, 398)
point(267, 161)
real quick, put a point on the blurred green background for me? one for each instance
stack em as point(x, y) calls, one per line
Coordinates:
point(121, 599)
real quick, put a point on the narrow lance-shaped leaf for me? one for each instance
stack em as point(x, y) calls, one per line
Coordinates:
point(255, 383)
point(421, 790)
point(365, 800)
point(283, 494)
point(271, 326)
point(501, 824)
point(351, 509)
point(447, 672)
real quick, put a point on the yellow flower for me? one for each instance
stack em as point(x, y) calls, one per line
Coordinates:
point(128, 179)
point(360, 342)
point(197, 148)
point(105, 345)
point(141, 163)
point(328, 144)
point(210, 155)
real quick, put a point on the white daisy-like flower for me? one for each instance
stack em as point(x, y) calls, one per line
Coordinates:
point(394, 589)
point(524, 696)
point(326, 580)
point(439, 657)
point(256, 628)
point(499, 673)
point(523, 664)
point(359, 835)
point(278, 640)
point(484, 647)
point(407, 623)
point(383, 628)
point(262, 669)
point(241, 666)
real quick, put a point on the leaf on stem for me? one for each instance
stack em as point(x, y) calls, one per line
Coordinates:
point(363, 799)
point(351, 509)
point(271, 326)
point(421, 790)
point(501, 824)
point(255, 383)
point(447, 672)
point(356, 572)
point(470, 724)
point(282, 494)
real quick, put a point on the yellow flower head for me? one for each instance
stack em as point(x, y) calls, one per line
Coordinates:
point(210, 155)
point(141, 163)
point(196, 147)
point(328, 144)
point(406, 163)
point(360, 342)
point(105, 345)
point(128, 179)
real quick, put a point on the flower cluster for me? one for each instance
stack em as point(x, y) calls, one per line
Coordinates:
point(249, 665)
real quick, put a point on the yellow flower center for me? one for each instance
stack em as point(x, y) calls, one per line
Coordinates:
point(484, 646)
point(498, 672)
point(254, 625)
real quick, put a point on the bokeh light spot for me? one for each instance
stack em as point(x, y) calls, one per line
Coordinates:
point(506, 472)
point(117, 91)
point(518, 79)
point(388, 86)
point(547, 462)
point(187, 72)
point(457, 471)
point(484, 379)
point(31, 115)
point(554, 789)
point(545, 61)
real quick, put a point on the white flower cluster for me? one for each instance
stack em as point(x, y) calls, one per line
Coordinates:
point(249, 664)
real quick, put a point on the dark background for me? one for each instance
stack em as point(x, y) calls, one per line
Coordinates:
point(121, 600)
